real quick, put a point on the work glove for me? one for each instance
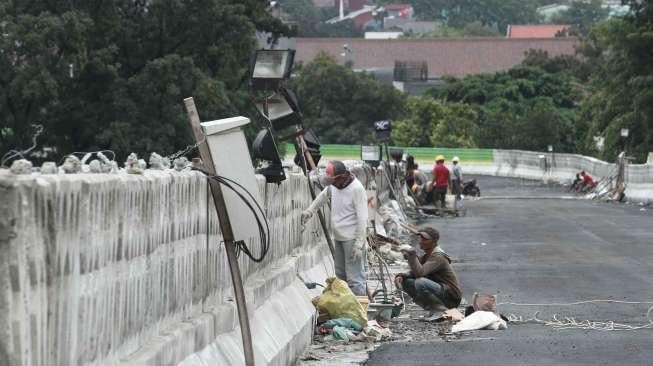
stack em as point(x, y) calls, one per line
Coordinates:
point(358, 248)
point(306, 216)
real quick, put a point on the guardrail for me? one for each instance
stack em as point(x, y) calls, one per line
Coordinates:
point(336, 151)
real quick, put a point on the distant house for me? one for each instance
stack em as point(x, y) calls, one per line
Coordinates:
point(536, 30)
point(408, 26)
point(402, 11)
point(614, 7)
point(361, 17)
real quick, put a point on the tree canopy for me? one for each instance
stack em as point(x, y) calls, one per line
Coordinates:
point(492, 13)
point(113, 74)
point(621, 53)
point(342, 104)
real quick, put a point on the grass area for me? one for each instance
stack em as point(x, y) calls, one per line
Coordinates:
point(420, 153)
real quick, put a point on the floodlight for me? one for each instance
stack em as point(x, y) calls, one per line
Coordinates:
point(265, 148)
point(270, 67)
point(383, 129)
point(396, 154)
point(282, 109)
point(312, 144)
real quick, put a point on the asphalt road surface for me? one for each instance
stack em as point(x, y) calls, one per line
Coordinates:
point(545, 251)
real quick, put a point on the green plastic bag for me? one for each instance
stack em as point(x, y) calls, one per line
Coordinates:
point(338, 301)
point(344, 322)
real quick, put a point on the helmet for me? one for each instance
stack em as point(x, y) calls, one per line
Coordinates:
point(455, 159)
point(439, 157)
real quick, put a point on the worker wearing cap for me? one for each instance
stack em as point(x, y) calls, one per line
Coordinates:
point(456, 181)
point(348, 200)
point(440, 182)
point(431, 282)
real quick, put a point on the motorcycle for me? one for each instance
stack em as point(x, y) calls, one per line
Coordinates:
point(471, 189)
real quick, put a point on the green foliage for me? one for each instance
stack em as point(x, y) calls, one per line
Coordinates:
point(493, 13)
point(342, 104)
point(475, 29)
point(582, 15)
point(311, 20)
point(622, 84)
point(523, 108)
point(432, 122)
point(113, 74)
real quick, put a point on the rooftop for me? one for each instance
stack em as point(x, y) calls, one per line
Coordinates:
point(445, 56)
point(535, 30)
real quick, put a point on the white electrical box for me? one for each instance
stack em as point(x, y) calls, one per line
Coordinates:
point(228, 146)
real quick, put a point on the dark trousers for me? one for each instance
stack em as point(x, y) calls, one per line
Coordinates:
point(440, 194)
point(428, 294)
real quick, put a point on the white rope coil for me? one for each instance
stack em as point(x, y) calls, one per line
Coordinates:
point(562, 323)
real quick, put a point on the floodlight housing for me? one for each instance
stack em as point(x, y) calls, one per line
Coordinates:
point(270, 67)
point(265, 148)
point(396, 154)
point(282, 109)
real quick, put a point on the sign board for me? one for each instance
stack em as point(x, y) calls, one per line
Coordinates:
point(371, 153)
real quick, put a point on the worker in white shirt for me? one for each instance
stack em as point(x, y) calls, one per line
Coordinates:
point(349, 222)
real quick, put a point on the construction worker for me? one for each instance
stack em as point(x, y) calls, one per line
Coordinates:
point(440, 182)
point(588, 183)
point(456, 181)
point(431, 282)
point(348, 200)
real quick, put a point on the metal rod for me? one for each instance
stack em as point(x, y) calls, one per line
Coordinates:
point(308, 160)
point(227, 232)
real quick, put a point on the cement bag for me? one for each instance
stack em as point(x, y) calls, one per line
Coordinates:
point(338, 301)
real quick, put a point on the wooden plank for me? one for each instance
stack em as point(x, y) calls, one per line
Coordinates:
point(225, 227)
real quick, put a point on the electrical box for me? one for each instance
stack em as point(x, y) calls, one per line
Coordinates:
point(230, 154)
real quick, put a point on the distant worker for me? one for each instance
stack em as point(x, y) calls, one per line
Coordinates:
point(456, 181)
point(575, 185)
point(411, 167)
point(440, 182)
point(431, 282)
point(588, 183)
point(349, 222)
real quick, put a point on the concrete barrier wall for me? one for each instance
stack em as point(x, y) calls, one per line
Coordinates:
point(562, 168)
point(103, 269)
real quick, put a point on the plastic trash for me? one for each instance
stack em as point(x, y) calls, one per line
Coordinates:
point(342, 333)
point(480, 320)
point(338, 301)
point(344, 322)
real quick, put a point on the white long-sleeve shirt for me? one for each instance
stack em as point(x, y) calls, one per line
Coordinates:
point(348, 210)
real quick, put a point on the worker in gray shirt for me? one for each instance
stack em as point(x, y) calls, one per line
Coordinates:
point(456, 182)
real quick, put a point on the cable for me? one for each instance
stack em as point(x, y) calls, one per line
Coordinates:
point(264, 232)
point(572, 323)
point(38, 129)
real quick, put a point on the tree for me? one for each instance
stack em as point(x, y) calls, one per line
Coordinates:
point(582, 15)
point(342, 104)
point(493, 13)
point(112, 74)
point(433, 122)
point(522, 108)
point(622, 85)
point(311, 20)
